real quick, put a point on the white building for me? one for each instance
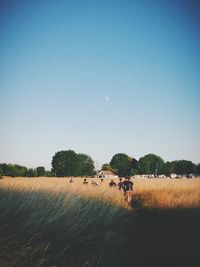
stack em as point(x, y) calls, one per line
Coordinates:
point(161, 176)
point(106, 174)
point(173, 175)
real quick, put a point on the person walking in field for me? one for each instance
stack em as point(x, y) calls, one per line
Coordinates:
point(128, 189)
point(120, 184)
point(85, 182)
point(112, 183)
point(94, 183)
point(102, 181)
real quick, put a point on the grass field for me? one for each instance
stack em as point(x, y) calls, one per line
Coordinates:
point(50, 222)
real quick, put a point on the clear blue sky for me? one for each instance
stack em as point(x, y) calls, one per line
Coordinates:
point(99, 77)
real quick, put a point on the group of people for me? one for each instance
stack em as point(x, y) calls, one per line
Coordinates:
point(126, 186)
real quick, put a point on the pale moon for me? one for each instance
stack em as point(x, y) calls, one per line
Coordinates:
point(107, 98)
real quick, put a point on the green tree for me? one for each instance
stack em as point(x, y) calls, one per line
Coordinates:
point(86, 165)
point(13, 170)
point(1, 172)
point(68, 163)
point(122, 164)
point(3, 167)
point(169, 168)
point(151, 164)
point(183, 167)
point(31, 172)
point(20, 170)
point(198, 169)
point(134, 167)
point(49, 174)
point(40, 171)
point(107, 167)
point(65, 163)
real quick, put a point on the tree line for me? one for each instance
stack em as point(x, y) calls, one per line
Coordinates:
point(15, 170)
point(124, 165)
point(70, 163)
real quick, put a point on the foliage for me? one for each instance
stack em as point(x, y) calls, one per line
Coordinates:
point(184, 167)
point(49, 174)
point(134, 167)
point(68, 163)
point(31, 172)
point(86, 165)
point(151, 164)
point(122, 163)
point(65, 163)
point(1, 172)
point(198, 169)
point(107, 167)
point(180, 167)
point(168, 168)
point(13, 170)
point(40, 171)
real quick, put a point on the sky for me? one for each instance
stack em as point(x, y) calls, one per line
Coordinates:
point(99, 77)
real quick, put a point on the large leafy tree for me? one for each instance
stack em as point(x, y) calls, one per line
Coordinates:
point(180, 167)
point(151, 164)
point(65, 163)
point(184, 167)
point(68, 163)
point(40, 171)
point(86, 165)
point(122, 164)
point(134, 166)
point(198, 169)
point(169, 168)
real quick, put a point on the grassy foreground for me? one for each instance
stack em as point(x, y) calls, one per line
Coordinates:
point(50, 222)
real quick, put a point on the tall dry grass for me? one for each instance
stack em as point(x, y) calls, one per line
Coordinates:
point(168, 193)
point(152, 193)
point(56, 187)
point(50, 222)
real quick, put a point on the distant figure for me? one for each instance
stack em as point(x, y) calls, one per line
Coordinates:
point(85, 182)
point(102, 181)
point(94, 183)
point(112, 183)
point(71, 180)
point(120, 184)
point(128, 189)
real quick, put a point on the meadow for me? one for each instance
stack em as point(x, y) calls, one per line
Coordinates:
point(51, 222)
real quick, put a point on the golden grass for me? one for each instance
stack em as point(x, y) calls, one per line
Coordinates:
point(59, 186)
point(168, 193)
point(51, 222)
point(60, 224)
point(152, 193)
